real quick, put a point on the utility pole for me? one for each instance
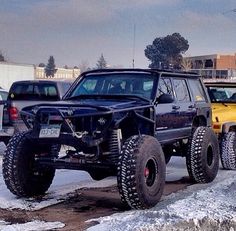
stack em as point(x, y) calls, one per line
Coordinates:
point(134, 45)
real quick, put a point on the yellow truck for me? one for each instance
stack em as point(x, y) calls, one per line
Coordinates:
point(223, 99)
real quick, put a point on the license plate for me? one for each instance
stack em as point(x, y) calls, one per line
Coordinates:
point(50, 131)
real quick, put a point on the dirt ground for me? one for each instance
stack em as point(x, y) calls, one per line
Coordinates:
point(83, 205)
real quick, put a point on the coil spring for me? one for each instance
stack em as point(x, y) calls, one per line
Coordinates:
point(114, 147)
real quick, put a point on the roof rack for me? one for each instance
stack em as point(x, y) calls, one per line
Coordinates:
point(138, 69)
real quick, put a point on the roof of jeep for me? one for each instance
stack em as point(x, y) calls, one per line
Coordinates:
point(221, 83)
point(139, 70)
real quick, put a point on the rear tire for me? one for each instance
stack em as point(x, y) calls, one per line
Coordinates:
point(20, 174)
point(203, 155)
point(141, 172)
point(228, 151)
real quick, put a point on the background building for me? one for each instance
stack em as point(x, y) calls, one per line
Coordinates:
point(214, 66)
point(61, 73)
point(11, 72)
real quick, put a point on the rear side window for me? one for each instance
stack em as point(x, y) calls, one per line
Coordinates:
point(197, 90)
point(164, 87)
point(33, 91)
point(181, 90)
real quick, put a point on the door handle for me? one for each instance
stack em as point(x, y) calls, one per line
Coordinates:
point(191, 106)
point(175, 107)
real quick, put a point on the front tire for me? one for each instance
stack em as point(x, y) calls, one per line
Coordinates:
point(22, 177)
point(141, 172)
point(203, 155)
point(228, 151)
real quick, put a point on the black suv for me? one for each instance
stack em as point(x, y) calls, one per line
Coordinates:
point(122, 122)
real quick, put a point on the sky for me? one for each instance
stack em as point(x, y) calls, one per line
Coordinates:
point(77, 32)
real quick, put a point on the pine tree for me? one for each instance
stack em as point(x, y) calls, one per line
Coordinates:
point(50, 69)
point(2, 58)
point(101, 63)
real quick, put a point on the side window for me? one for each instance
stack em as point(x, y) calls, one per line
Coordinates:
point(181, 90)
point(164, 87)
point(197, 90)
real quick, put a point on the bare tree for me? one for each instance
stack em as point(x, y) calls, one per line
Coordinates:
point(84, 66)
point(186, 64)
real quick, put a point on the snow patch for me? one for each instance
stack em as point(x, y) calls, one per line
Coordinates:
point(30, 226)
point(199, 207)
point(64, 183)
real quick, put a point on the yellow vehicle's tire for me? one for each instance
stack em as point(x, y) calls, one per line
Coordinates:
point(228, 151)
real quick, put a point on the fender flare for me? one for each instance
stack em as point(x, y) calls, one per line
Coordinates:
point(228, 126)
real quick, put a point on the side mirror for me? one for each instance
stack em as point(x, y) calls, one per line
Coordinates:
point(165, 98)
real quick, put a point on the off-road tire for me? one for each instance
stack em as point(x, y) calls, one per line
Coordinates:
point(20, 175)
point(228, 151)
point(141, 172)
point(203, 155)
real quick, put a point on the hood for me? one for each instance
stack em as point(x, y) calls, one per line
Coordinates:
point(109, 103)
point(89, 106)
point(223, 112)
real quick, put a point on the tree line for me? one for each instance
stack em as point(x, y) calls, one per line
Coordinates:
point(164, 53)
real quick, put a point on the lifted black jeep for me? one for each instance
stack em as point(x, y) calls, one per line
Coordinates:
point(123, 122)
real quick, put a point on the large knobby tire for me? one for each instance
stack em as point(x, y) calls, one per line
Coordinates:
point(203, 155)
point(141, 172)
point(228, 151)
point(20, 174)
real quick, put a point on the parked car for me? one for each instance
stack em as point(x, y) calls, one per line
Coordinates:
point(117, 122)
point(3, 98)
point(25, 93)
point(223, 98)
point(3, 94)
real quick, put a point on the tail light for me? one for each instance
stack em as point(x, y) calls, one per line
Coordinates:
point(14, 114)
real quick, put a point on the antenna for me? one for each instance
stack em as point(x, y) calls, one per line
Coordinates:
point(134, 45)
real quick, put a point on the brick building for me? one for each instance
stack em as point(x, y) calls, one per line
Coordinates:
point(214, 66)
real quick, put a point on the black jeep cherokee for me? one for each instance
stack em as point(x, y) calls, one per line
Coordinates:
point(122, 122)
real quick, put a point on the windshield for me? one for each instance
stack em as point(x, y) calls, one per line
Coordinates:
point(116, 84)
point(222, 94)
